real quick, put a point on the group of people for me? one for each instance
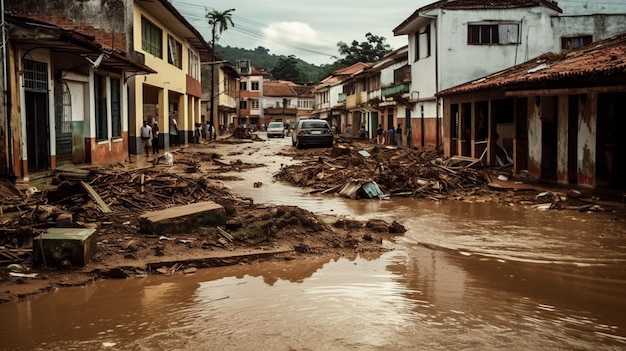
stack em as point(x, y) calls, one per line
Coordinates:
point(150, 135)
point(207, 132)
point(393, 135)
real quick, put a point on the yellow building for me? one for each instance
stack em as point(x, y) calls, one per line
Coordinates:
point(171, 97)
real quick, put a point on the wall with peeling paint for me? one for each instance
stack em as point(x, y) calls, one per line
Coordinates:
point(534, 137)
point(587, 132)
point(562, 151)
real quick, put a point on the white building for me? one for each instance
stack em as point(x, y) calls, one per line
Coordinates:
point(456, 41)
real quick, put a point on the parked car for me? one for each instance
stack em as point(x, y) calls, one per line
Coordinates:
point(312, 132)
point(276, 129)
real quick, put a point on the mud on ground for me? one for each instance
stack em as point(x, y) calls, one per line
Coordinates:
point(252, 232)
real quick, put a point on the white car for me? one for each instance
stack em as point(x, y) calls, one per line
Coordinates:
point(276, 129)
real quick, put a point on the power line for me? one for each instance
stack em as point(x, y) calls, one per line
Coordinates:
point(249, 31)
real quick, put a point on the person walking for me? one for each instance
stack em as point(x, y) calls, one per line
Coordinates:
point(155, 138)
point(362, 132)
point(399, 135)
point(379, 134)
point(211, 132)
point(173, 132)
point(391, 136)
point(146, 137)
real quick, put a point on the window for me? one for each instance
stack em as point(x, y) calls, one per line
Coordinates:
point(63, 107)
point(116, 109)
point(254, 103)
point(575, 42)
point(243, 104)
point(35, 75)
point(174, 52)
point(305, 104)
point(243, 86)
point(194, 64)
point(487, 34)
point(151, 38)
point(99, 89)
point(254, 86)
point(422, 39)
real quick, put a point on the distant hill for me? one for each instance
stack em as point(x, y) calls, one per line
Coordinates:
point(260, 57)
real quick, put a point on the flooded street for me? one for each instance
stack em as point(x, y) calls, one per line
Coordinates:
point(465, 276)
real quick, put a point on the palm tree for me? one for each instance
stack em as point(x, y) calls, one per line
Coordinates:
point(218, 21)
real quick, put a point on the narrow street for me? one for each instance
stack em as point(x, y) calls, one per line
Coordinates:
point(465, 275)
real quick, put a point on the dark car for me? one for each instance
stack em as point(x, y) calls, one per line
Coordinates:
point(312, 132)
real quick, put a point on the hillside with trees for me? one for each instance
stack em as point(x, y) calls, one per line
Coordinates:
point(296, 70)
point(277, 64)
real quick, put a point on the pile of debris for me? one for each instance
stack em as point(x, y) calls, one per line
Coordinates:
point(410, 172)
point(244, 133)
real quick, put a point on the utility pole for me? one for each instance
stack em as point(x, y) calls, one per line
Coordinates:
point(212, 105)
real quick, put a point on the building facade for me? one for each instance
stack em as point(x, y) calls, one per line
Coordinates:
point(559, 117)
point(154, 34)
point(451, 42)
point(67, 98)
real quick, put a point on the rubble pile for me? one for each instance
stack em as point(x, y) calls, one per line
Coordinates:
point(103, 196)
point(407, 172)
point(244, 133)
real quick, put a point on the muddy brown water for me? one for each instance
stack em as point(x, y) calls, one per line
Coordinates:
point(466, 276)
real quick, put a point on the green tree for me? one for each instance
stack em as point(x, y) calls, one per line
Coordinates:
point(371, 50)
point(287, 69)
point(218, 21)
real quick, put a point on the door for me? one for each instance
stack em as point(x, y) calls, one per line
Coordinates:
point(63, 122)
point(35, 75)
point(37, 131)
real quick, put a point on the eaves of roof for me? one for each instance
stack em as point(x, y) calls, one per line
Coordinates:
point(596, 64)
point(37, 33)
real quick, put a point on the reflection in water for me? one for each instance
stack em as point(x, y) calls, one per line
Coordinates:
point(416, 298)
point(464, 277)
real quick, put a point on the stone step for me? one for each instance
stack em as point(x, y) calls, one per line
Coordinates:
point(183, 219)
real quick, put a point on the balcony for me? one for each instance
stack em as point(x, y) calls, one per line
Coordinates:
point(396, 90)
point(356, 100)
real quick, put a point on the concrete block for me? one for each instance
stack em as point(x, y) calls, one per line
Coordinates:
point(76, 245)
point(183, 219)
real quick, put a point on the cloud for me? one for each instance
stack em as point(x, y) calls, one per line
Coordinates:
point(299, 39)
point(290, 33)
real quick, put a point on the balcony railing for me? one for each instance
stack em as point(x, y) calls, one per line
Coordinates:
point(395, 90)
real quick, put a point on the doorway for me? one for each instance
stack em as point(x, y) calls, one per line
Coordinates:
point(37, 130)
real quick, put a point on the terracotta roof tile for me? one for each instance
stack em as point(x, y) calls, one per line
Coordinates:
point(278, 89)
point(588, 65)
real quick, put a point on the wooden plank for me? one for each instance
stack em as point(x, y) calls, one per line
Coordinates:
point(94, 195)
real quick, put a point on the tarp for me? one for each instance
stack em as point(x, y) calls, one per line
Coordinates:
point(359, 189)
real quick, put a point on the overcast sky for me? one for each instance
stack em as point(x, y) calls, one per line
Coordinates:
point(310, 30)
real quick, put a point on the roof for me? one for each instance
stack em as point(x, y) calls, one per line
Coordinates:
point(595, 64)
point(477, 5)
point(57, 39)
point(341, 74)
point(350, 70)
point(278, 89)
